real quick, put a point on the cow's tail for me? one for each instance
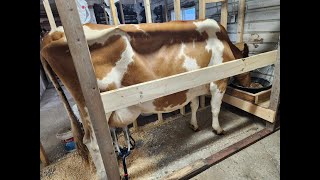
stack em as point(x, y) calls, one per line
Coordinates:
point(78, 134)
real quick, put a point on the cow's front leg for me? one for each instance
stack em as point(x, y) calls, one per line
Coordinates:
point(217, 90)
point(194, 108)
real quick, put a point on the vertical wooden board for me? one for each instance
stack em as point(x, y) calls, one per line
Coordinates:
point(275, 91)
point(43, 156)
point(82, 61)
point(113, 12)
point(224, 14)
point(166, 10)
point(147, 11)
point(121, 11)
point(177, 9)
point(202, 9)
point(241, 14)
point(49, 14)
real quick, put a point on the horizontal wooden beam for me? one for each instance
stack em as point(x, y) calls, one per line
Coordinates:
point(264, 113)
point(213, 1)
point(139, 93)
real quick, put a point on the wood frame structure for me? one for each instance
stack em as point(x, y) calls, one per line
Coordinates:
point(100, 111)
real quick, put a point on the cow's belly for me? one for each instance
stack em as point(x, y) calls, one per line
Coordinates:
point(173, 102)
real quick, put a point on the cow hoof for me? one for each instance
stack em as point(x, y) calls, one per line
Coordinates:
point(195, 129)
point(221, 132)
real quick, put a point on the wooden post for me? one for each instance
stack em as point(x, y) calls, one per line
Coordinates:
point(49, 14)
point(177, 9)
point(241, 13)
point(82, 60)
point(275, 91)
point(224, 14)
point(202, 9)
point(147, 11)
point(43, 156)
point(121, 12)
point(166, 10)
point(113, 12)
point(135, 125)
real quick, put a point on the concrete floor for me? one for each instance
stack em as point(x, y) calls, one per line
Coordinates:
point(258, 161)
point(53, 117)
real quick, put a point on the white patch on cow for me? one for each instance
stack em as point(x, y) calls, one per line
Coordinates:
point(126, 116)
point(216, 99)
point(95, 36)
point(210, 26)
point(117, 72)
point(189, 63)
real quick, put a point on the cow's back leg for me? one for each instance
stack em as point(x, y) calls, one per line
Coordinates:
point(194, 107)
point(217, 90)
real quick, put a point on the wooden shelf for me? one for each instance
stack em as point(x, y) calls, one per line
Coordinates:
point(256, 104)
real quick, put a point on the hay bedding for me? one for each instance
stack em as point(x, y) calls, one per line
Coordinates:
point(141, 162)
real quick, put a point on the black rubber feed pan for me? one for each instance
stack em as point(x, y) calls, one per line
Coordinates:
point(265, 85)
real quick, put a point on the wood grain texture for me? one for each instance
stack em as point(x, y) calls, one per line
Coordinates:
point(82, 60)
point(150, 90)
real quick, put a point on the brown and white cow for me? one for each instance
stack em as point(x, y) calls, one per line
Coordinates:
point(125, 55)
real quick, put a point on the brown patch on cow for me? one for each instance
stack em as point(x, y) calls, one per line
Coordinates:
point(137, 72)
point(222, 84)
point(104, 57)
point(199, 53)
point(171, 100)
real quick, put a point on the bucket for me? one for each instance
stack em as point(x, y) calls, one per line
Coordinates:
point(66, 137)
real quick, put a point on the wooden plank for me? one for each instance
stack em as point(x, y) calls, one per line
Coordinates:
point(121, 12)
point(49, 14)
point(214, 1)
point(241, 14)
point(166, 10)
point(202, 9)
point(262, 15)
point(257, 38)
point(275, 91)
point(256, 4)
point(146, 91)
point(250, 97)
point(262, 96)
point(251, 108)
point(253, 27)
point(43, 156)
point(82, 60)
point(192, 168)
point(147, 11)
point(224, 14)
point(201, 165)
point(177, 9)
point(240, 94)
point(113, 12)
